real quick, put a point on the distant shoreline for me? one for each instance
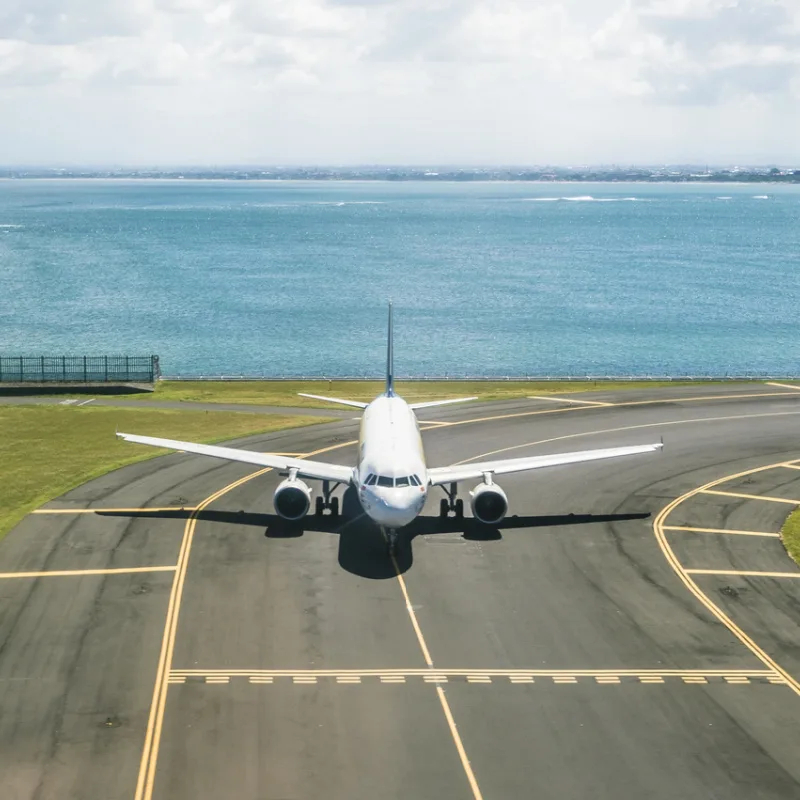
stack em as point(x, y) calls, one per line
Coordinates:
point(409, 174)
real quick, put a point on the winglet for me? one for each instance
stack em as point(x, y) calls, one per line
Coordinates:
point(390, 357)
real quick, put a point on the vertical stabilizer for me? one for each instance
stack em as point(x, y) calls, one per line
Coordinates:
point(390, 357)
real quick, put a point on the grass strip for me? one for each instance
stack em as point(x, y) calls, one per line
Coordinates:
point(47, 450)
point(285, 393)
point(790, 535)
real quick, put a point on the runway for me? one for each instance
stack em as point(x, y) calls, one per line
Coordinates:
point(630, 631)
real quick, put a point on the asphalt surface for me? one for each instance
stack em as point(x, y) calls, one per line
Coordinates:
point(570, 656)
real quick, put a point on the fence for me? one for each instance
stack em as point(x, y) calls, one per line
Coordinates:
point(533, 377)
point(79, 369)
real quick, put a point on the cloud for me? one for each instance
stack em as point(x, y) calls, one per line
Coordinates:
point(346, 77)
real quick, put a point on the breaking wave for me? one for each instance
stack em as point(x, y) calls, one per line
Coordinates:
point(585, 198)
point(760, 197)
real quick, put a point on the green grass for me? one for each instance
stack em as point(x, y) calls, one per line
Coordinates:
point(285, 393)
point(48, 450)
point(790, 535)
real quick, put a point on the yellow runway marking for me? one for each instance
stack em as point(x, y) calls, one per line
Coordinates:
point(449, 674)
point(690, 679)
point(110, 510)
point(691, 585)
point(435, 424)
point(462, 754)
point(63, 573)
point(720, 530)
point(701, 399)
point(697, 420)
point(751, 496)
point(745, 573)
point(150, 751)
point(655, 679)
point(791, 466)
point(565, 400)
point(784, 385)
point(149, 760)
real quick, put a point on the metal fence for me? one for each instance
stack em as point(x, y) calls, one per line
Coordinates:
point(533, 377)
point(79, 369)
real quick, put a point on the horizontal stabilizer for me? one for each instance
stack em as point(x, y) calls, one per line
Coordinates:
point(353, 403)
point(432, 403)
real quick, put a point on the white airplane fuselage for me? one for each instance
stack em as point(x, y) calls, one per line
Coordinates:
point(391, 472)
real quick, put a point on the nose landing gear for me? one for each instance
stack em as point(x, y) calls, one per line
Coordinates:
point(391, 541)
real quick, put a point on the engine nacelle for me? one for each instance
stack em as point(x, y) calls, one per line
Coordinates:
point(489, 503)
point(292, 499)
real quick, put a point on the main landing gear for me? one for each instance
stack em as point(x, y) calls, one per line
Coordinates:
point(450, 505)
point(326, 502)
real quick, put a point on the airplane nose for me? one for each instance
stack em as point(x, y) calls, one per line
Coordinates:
point(393, 516)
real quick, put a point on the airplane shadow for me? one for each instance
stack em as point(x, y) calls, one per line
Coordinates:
point(362, 546)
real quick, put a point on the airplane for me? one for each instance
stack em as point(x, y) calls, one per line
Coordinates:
point(391, 477)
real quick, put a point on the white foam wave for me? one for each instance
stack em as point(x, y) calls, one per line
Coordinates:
point(760, 197)
point(586, 198)
point(724, 197)
point(9, 225)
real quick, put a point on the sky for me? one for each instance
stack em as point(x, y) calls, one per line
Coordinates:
point(568, 82)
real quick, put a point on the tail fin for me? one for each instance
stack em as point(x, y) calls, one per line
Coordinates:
point(390, 357)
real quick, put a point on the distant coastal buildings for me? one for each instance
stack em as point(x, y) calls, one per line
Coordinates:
point(663, 174)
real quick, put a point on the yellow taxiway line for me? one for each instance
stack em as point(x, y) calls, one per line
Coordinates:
point(466, 673)
point(750, 496)
point(720, 530)
point(553, 399)
point(62, 573)
point(784, 385)
point(688, 581)
point(746, 573)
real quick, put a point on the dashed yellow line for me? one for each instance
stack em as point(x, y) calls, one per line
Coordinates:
point(745, 573)
point(63, 573)
point(750, 496)
point(720, 530)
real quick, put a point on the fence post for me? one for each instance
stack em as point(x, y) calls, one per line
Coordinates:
point(41, 368)
point(63, 368)
point(127, 370)
point(21, 365)
point(85, 373)
point(106, 362)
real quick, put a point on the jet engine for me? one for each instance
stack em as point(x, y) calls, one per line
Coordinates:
point(292, 499)
point(489, 503)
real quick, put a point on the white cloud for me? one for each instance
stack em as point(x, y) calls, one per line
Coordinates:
point(359, 80)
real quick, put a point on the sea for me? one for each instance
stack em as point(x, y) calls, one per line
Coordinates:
point(292, 278)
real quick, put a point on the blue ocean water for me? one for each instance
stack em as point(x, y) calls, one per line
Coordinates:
point(292, 278)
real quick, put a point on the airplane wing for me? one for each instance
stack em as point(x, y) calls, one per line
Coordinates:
point(430, 403)
point(462, 472)
point(305, 469)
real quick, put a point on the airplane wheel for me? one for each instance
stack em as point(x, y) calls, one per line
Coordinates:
point(319, 506)
point(443, 508)
point(459, 509)
point(334, 506)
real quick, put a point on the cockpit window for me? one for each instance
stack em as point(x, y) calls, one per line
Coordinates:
point(384, 481)
point(401, 481)
point(415, 481)
point(371, 479)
